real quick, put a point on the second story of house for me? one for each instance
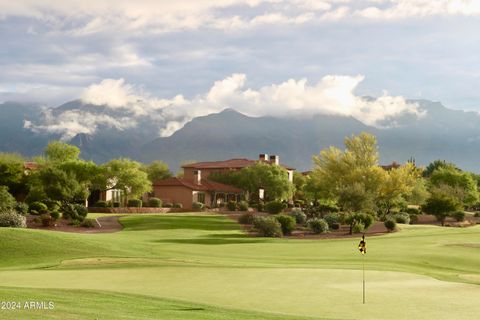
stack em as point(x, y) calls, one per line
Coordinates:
point(201, 170)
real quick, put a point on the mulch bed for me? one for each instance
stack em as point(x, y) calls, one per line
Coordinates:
point(108, 225)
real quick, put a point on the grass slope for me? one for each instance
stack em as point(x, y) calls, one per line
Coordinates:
point(207, 260)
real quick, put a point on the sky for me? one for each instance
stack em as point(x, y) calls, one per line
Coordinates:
point(272, 57)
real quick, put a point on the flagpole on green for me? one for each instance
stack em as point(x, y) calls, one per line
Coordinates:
point(363, 278)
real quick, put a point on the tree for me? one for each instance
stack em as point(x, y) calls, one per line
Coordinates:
point(438, 164)
point(126, 175)
point(7, 201)
point(456, 183)
point(157, 170)
point(60, 185)
point(440, 205)
point(397, 185)
point(12, 173)
point(299, 181)
point(272, 178)
point(351, 177)
point(57, 151)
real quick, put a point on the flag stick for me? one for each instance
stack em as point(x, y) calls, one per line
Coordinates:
point(363, 279)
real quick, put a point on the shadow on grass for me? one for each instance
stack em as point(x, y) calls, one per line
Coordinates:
point(137, 223)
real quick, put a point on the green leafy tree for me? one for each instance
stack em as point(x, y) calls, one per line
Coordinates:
point(351, 177)
point(157, 170)
point(299, 181)
point(126, 175)
point(57, 151)
point(61, 186)
point(12, 173)
point(438, 164)
point(455, 183)
point(440, 205)
point(7, 201)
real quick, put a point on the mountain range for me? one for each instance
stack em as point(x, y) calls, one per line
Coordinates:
point(441, 133)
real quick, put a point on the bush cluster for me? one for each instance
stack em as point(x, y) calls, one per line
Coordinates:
point(21, 208)
point(243, 206)
point(458, 215)
point(317, 225)
point(358, 227)
point(267, 226)
point(75, 212)
point(10, 218)
point(390, 224)
point(7, 201)
point(177, 205)
point(101, 204)
point(298, 215)
point(333, 220)
point(37, 207)
point(88, 223)
point(275, 207)
point(246, 218)
point(231, 205)
point(135, 203)
point(198, 206)
point(402, 217)
point(168, 205)
point(287, 223)
point(155, 202)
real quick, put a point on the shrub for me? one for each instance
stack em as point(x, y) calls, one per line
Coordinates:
point(477, 214)
point(458, 215)
point(390, 224)
point(9, 218)
point(243, 206)
point(135, 203)
point(55, 215)
point(246, 218)
point(88, 223)
point(168, 205)
point(75, 223)
point(298, 215)
point(287, 223)
point(260, 207)
point(413, 211)
point(317, 225)
point(231, 205)
point(365, 219)
point(275, 207)
point(335, 226)
point(101, 204)
point(358, 227)
point(46, 220)
point(52, 205)
point(75, 212)
point(332, 218)
point(268, 226)
point(177, 205)
point(21, 208)
point(198, 206)
point(38, 206)
point(413, 218)
point(116, 204)
point(7, 201)
point(154, 203)
point(402, 217)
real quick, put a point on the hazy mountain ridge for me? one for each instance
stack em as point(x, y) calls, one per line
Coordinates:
point(441, 133)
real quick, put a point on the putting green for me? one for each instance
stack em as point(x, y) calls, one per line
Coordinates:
point(306, 292)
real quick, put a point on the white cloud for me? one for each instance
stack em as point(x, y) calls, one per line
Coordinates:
point(333, 94)
point(72, 122)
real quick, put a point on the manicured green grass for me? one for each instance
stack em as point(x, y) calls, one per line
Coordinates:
point(422, 272)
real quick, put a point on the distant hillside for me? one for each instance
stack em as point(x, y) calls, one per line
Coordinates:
point(440, 134)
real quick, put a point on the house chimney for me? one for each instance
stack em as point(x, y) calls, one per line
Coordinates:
point(197, 176)
point(263, 157)
point(274, 159)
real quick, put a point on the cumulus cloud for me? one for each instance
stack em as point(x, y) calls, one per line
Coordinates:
point(333, 94)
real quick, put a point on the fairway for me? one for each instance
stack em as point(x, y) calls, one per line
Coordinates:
point(160, 265)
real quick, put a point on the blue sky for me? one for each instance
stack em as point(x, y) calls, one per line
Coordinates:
point(55, 51)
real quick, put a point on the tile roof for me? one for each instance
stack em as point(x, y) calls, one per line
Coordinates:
point(30, 165)
point(229, 164)
point(206, 185)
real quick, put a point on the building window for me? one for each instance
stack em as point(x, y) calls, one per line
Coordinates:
point(201, 197)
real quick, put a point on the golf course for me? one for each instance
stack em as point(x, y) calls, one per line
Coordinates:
point(203, 266)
